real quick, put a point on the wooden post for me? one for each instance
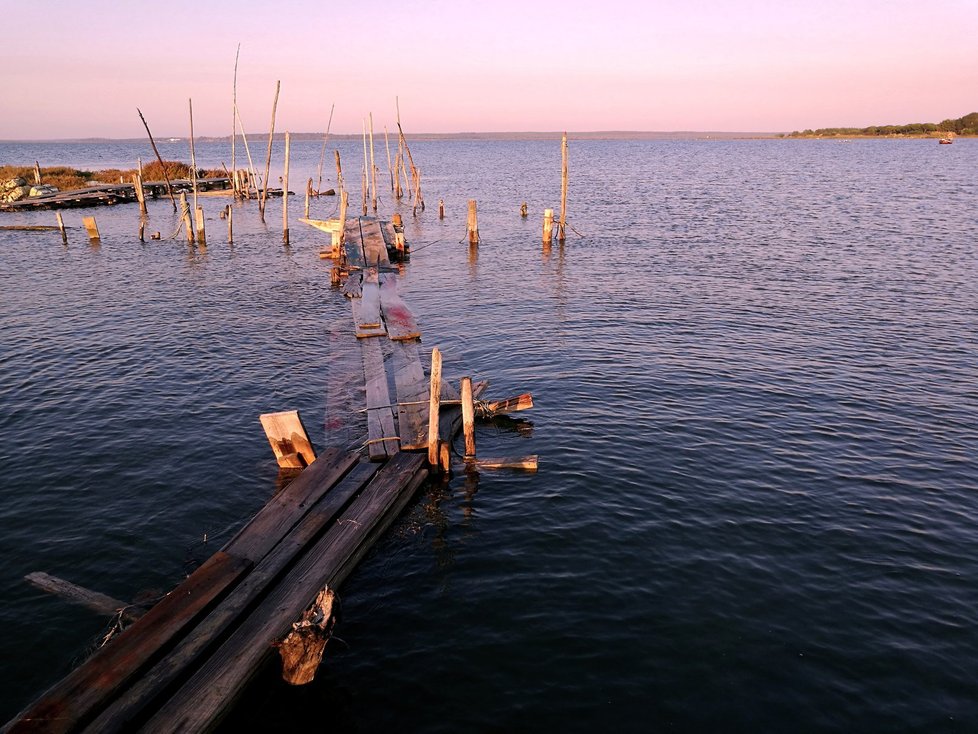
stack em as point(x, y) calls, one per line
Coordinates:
point(339, 171)
point(548, 227)
point(344, 203)
point(434, 402)
point(523, 210)
point(473, 223)
point(373, 168)
point(441, 208)
point(169, 189)
point(390, 169)
point(230, 214)
point(285, 194)
point(322, 155)
point(61, 226)
point(561, 228)
point(185, 213)
point(234, 123)
point(37, 173)
point(268, 156)
point(193, 156)
point(468, 417)
point(142, 229)
point(201, 234)
point(308, 196)
point(363, 177)
point(137, 184)
point(92, 228)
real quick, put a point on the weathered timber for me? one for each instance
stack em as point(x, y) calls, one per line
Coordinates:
point(509, 405)
point(302, 649)
point(213, 689)
point(28, 227)
point(91, 227)
point(468, 418)
point(322, 506)
point(287, 436)
point(397, 316)
point(434, 398)
point(383, 438)
point(370, 307)
point(412, 395)
point(374, 246)
point(353, 244)
point(362, 331)
point(521, 463)
point(93, 600)
point(86, 690)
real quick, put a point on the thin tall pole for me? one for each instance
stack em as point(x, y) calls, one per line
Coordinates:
point(244, 138)
point(268, 156)
point(561, 227)
point(363, 178)
point(322, 154)
point(285, 194)
point(234, 111)
point(193, 155)
point(387, 142)
point(373, 168)
point(169, 189)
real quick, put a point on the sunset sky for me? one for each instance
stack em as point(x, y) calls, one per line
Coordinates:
point(81, 69)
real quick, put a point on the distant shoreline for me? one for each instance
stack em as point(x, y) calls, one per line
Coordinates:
point(527, 135)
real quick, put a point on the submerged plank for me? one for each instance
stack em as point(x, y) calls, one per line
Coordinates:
point(398, 318)
point(412, 396)
point(85, 691)
point(353, 244)
point(374, 247)
point(200, 703)
point(87, 598)
point(383, 438)
point(370, 295)
point(140, 701)
point(362, 331)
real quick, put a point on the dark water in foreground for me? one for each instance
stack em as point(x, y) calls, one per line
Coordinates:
point(756, 378)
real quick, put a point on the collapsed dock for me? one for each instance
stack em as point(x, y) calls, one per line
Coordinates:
point(182, 664)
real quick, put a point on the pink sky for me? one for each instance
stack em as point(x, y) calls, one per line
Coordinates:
point(70, 69)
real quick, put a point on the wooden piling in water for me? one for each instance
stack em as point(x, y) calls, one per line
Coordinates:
point(37, 173)
point(562, 226)
point(434, 402)
point(441, 208)
point(548, 227)
point(468, 418)
point(166, 177)
point(137, 183)
point(523, 210)
point(185, 214)
point(230, 215)
point(339, 171)
point(201, 233)
point(373, 168)
point(91, 227)
point(61, 227)
point(473, 223)
point(268, 156)
point(308, 196)
point(285, 194)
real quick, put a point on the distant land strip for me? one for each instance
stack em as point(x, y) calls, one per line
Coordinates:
point(591, 135)
point(965, 126)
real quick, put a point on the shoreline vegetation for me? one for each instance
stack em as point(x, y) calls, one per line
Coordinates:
point(72, 179)
point(966, 126)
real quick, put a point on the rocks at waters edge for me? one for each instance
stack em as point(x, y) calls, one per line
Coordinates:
point(15, 189)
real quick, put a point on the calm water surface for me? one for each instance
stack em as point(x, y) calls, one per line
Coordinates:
point(755, 372)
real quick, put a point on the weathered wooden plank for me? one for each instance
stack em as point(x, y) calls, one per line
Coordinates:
point(363, 332)
point(353, 243)
point(344, 386)
point(397, 316)
point(353, 287)
point(324, 225)
point(287, 435)
point(451, 412)
point(94, 600)
point(370, 306)
point(283, 511)
point(200, 703)
point(383, 438)
point(510, 405)
point(520, 463)
point(374, 247)
point(412, 396)
point(139, 701)
point(86, 690)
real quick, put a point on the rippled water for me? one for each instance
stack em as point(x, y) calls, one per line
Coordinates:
point(754, 368)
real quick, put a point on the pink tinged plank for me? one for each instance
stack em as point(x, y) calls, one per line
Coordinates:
point(400, 321)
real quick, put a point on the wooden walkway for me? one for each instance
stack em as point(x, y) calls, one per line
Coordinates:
point(181, 665)
point(108, 194)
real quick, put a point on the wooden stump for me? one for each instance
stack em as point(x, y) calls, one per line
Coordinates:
point(302, 650)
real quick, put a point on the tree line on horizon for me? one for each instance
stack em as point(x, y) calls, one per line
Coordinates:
point(967, 125)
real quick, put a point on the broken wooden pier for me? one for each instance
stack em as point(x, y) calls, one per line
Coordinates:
point(181, 665)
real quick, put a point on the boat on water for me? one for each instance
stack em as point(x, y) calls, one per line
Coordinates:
point(946, 140)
